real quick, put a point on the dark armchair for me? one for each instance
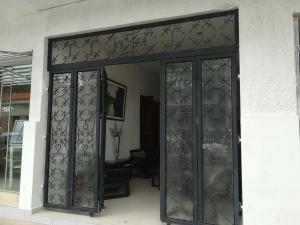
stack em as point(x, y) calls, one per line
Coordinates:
point(144, 165)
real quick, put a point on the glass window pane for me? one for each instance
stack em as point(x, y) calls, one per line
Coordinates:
point(14, 111)
point(4, 134)
point(217, 142)
point(86, 150)
point(59, 139)
point(179, 166)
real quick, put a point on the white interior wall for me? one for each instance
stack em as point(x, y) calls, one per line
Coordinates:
point(138, 82)
point(270, 124)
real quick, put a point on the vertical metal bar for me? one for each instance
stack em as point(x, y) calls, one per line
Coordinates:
point(235, 140)
point(236, 28)
point(163, 140)
point(198, 104)
point(98, 141)
point(72, 139)
point(194, 138)
point(49, 61)
point(102, 103)
point(195, 119)
point(48, 137)
point(237, 129)
point(238, 119)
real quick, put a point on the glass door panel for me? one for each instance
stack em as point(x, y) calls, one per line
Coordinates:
point(86, 150)
point(58, 157)
point(217, 142)
point(18, 114)
point(199, 142)
point(179, 176)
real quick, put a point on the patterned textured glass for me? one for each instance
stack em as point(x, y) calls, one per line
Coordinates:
point(217, 142)
point(86, 152)
point(59, 139)
point(196, 34)
point(179, 168)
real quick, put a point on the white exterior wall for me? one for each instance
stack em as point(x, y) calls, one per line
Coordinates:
point(270, 123)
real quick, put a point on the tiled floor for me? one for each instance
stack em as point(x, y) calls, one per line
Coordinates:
point(14, 222)
point(141, 208)
point(9, 199)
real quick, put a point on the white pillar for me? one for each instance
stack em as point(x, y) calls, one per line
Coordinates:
point(33, 158)
point(270, 123)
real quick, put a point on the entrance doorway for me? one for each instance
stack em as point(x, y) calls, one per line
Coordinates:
point(131, 178)
point(199, 147)
point(198, 107)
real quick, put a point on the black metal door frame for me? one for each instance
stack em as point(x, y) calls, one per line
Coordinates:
point(235, 134)
point(163, 190)
point(48, 140)
point(100, 139)
point(195, 55)
point(197, 137)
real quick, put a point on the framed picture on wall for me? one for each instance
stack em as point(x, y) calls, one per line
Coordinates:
point(115, 100)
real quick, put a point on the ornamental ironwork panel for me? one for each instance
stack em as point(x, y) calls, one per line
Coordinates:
point(85, 178)
point(217, 142)
point(179, 142)
point(195, 34)
point(59, 140)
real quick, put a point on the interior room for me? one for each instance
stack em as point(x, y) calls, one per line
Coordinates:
point(132, 140)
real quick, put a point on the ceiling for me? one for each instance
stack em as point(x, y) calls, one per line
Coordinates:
point(15, 75)
point(17, 8)
point(15, 68)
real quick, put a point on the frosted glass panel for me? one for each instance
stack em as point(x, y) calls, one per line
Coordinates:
point(179, 167)
point(86, 149)
point(217, 142)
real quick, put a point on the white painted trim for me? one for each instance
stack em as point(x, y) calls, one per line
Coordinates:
point(297, 52)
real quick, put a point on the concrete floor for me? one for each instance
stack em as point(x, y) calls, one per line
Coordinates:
point(141, 208)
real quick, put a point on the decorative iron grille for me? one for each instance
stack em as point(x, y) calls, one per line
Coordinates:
point(196, 34)
point(59, 140)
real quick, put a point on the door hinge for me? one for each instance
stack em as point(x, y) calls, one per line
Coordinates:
point(238, 77)
point(298, 48)
point(240, 208)
point(240, 139)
